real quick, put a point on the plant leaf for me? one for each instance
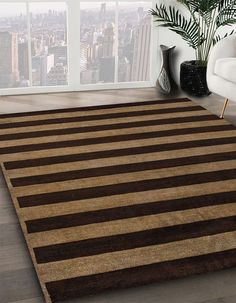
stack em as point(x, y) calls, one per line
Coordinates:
point(227, 13)
point(217, 38)
point(172, 18)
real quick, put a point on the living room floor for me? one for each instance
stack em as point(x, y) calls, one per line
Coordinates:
point(18, 281)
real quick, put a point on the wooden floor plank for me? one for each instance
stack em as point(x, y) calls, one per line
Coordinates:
point(18, 285)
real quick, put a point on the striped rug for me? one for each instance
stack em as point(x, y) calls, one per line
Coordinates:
point(122, 195)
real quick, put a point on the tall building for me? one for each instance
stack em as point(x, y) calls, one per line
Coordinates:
point(9, 73)
point(60, 54)
point(141, 56)
point(97, 49)
point(140, 13)
point(23, 55)
point(84, 50)
point(107, 69)
point(108, 41)
point(102, 15)
point(60, 35)
point(41, 66)
point(124, 69)
point(57, 75)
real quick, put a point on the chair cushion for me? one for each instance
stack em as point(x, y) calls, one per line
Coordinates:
point(226, 68)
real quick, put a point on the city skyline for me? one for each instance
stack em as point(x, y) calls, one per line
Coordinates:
point(48, 49)
point(98, 35)
point(8, 10)
point(18, 9)
point(98, 46)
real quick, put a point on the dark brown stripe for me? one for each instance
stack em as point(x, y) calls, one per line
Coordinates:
point(91, 108)
point(91, 247)
point(85, 129)
point(125, 188)
point(146, 274)
point(117, 153)
point(121, 169)
point(126, 212)
point(112, 139)
point(100, 117)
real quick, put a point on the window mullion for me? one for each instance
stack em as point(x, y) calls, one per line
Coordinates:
point(29, 44)
point(74, 43)
point(116, 40)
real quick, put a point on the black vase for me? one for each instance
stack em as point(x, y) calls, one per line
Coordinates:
point(193, 78)
point(165, 83)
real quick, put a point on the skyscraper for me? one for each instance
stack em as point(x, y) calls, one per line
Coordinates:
point(107, 69)
point(108, 41)
point(84, 48)
point(140, 13)
point(9, 73)
point(23, 55)
point(57, 75)
point(102, 15)
point(60, 53)
point(141, 57)
point(41, 66)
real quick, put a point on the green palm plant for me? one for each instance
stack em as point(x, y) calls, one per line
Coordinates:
point(201, 29)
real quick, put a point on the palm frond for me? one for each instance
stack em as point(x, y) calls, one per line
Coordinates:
point(227, 13)
point(202, 7)
point(177, 23)
point(200, 30)
point(225, 3)
point(217, 38)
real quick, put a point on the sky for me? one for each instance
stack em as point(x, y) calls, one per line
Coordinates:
point(13, 9)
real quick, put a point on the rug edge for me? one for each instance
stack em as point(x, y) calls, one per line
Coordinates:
point(24, 232)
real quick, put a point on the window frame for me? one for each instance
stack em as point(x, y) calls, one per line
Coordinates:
point(73, 53)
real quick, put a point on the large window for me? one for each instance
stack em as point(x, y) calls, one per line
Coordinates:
point(97, 42)
point(14, 56)
point(72, 44)
point(134, 41)
point(48, 30)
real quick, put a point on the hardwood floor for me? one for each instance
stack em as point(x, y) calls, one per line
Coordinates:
point(18, 281)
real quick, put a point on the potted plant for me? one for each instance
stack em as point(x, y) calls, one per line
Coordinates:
point(201, 31)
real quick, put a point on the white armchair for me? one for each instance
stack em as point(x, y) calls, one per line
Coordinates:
point(221, 70)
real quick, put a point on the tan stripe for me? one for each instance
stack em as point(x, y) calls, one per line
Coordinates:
point(116, 145)
point(107, 133)
point(79, 165)
point(96, 112)
point(161, 195)
point(122, 178)
point(130, 225)
point(136, 257)
point(103, 122)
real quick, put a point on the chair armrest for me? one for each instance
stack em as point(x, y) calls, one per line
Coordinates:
point(226, 48)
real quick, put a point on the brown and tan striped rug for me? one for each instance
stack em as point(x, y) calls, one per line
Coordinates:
point(122, 195)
